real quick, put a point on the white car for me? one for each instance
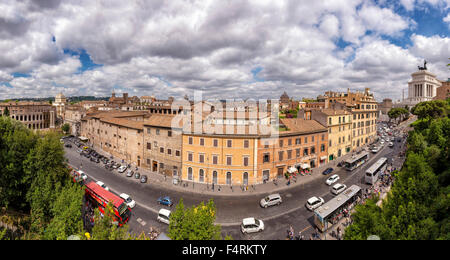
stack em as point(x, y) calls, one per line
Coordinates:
point(83, 175)
point(314, 203)
point(251, 225)
point(122, 168)
point(338, 188)
point(375, 149)
point(164, 216)
point(391, 144)
point(130, 202)
point(332, 179)
point(101, 184)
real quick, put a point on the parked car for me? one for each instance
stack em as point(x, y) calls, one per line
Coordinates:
point(334, 178)
point(130, 202)
point(270, 200)
point(137, 175)
point(83, 175)
point(164, 216)
point(122, 169)
point(338, 188)
point(165, 201)
point(101, 184)
point(391, 144)
point(94, 159)
point(375, 149)
point(130, 173)
point(314, 203)
point(68, 145)
point(327, 171)
point(143, 178)
point(251, 225)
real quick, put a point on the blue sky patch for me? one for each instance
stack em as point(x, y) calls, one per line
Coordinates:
point(85, 59)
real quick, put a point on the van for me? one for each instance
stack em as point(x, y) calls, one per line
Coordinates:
point(270, 200)
point(164, 216)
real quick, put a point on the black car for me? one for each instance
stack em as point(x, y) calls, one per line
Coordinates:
point(143, 178)
point(327, 171)
point(94, 159)
point(68, 145)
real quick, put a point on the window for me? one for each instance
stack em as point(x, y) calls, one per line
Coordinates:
point(246, 143)
point(148, 130)
point(313, 150)
point(216, 143)
point(245, 161)
point(312, 138)
point(281, 143)
point(169, 151)
point(215, 159)
point(229, 143)
point(202, 141)
point(201, 158)
point(157, 131)
point(306, 140)
point(229, 160)
point(177, 153)
point(289, 154)
point(149, 146)
point(297, 152)
point(329, 121)
point(322, 148)
point(266, 157)
point(298, 141)
point(305, 151)
point(161, 149)
point(289, 142)
point(169, 133)
point(266, 144)
point(280, 155)
point(190, 155)
point(190, 140)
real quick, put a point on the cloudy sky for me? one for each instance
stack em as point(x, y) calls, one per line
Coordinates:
point(227, 48)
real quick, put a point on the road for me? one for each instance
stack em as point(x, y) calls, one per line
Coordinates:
point(230, 210)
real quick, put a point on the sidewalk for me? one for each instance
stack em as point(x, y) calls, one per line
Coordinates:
point(238, 190)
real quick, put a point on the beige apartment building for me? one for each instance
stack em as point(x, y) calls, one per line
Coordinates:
point(364, 109)
point(339, 127)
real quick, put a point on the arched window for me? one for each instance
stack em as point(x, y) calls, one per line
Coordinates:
point(215, 177)
point(228, 178)
point(245, 178)
point(201, 175)
point(190, 173)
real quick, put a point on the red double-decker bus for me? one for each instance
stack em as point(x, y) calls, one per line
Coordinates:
point(101, 197)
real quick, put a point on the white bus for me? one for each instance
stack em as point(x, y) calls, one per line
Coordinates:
point(331, 212)
point(356, 161)
point(373, 173)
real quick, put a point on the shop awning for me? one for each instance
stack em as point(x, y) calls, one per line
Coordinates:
point(323, 157)
point(305, 166)
point(292, 170)
point(82, 138)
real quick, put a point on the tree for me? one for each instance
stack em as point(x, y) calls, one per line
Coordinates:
point(6, 112)
point(65, 128)
point(66, 210)
point(105, 229)
point(195, 223)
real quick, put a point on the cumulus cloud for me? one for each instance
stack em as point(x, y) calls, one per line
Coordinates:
point(171, 48)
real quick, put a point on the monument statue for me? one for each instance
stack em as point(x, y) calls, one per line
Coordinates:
point(424, 66)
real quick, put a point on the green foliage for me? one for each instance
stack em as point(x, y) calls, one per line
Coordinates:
point(67, 213)
point(105, 229)
point(65, 128)
point(195, 223)
point(431, 109)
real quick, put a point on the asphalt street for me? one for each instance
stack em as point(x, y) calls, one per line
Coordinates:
point(230, 209)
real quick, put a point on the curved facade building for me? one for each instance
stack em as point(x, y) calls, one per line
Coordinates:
point(34, 115)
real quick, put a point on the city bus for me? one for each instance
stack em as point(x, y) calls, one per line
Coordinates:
point(99, 197)
point(356, 161)
point(372, 174)
point(331, 212)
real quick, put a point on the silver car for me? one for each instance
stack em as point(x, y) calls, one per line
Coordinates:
point(270, 200)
